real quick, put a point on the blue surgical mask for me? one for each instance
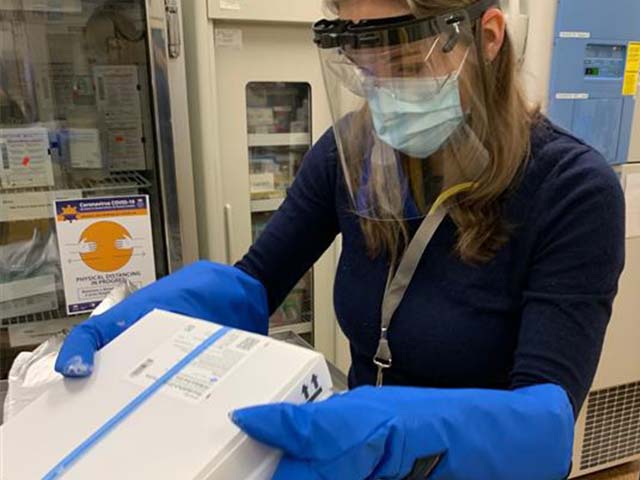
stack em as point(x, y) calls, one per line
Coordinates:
point(415, 116)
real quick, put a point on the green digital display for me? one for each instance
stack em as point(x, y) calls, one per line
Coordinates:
point(592, 72)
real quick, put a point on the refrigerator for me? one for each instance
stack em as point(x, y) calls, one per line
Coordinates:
point(257, 104)
point(96, 181)
point(608, 427)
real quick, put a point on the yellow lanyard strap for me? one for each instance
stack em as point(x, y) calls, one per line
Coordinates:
point(451, 192)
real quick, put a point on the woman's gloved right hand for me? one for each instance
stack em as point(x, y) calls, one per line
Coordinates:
point(206, 290)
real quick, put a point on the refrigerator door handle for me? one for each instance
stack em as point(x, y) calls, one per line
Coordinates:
point(173, 28)
point(228, 233)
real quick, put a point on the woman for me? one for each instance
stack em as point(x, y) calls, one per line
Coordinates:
point(482, 248)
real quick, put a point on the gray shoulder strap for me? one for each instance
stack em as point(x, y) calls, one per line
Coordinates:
point(398, 284)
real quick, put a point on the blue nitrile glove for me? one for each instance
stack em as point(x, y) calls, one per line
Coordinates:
point(206, 290)
point(379, 433)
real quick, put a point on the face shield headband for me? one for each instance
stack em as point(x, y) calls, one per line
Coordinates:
point(387, 32)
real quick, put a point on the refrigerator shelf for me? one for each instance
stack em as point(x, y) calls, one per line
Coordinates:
point(36, 203)
point(267, 205)
point(297, 328)
point(59, 314)
point(279, 139)
point(113, 182)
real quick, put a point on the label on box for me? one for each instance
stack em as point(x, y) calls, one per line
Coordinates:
point(197, 380)
point(259, 116)
point(24, 158)
point(118, 97)
point(44, 92)
point(125, 143)
point(72, 91)
point(118, 88)
point(31, 205)
point(262, 182)
point(84, 148)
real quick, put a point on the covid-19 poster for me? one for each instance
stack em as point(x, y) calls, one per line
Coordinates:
point(103, 242)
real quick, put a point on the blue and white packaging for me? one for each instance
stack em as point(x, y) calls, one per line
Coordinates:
point(157, 406)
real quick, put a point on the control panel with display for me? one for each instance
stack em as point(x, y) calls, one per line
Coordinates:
point(605, 61)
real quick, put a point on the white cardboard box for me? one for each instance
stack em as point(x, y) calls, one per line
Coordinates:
point(183, 430)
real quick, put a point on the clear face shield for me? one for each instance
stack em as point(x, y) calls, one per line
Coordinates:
point(401, 95)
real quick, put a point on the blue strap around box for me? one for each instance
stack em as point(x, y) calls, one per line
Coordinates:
point(131, 407)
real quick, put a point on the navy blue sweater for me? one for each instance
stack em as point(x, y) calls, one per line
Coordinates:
point(537, 313)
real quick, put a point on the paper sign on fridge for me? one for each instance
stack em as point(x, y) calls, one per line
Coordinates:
point(103, 242)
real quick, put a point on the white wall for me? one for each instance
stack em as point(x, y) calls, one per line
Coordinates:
point(537, 63)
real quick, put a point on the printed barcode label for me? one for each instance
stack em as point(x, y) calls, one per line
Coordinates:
point(247, 344)
point(142, 367)
point(198, 379)
point(4, 155)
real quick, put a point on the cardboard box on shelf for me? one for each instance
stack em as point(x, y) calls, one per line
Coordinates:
point(183, 429)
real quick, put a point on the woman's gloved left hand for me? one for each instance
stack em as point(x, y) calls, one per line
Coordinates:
point(380, 433)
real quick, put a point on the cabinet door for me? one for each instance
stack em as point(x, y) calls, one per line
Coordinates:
point(267, 10)
point(271, 108)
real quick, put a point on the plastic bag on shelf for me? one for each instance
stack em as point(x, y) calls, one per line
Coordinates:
point(31, 258)
point(32, 373)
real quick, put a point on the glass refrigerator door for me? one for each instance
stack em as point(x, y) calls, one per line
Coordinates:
point(279, 135)
point(76, 123)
